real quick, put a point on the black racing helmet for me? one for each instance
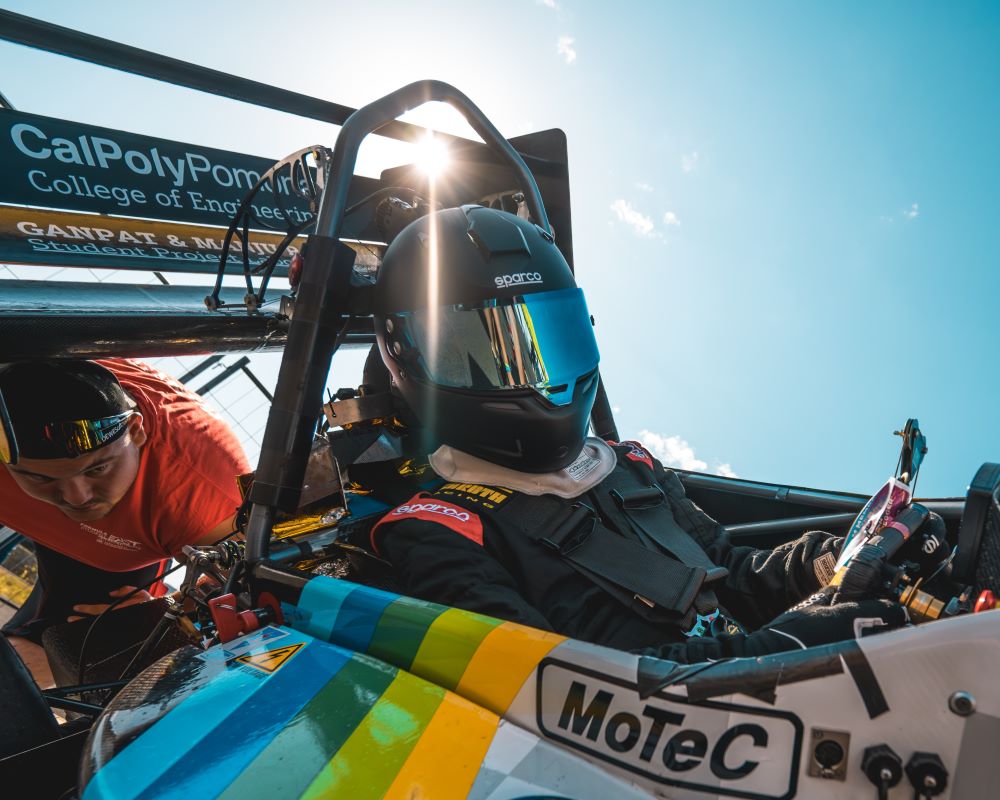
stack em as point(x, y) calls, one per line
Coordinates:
point(488, 337)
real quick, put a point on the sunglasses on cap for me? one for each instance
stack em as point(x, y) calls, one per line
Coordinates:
point(64, 439)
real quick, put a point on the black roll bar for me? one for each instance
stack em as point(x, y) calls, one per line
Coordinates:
point(322, 302)
point(31, 32)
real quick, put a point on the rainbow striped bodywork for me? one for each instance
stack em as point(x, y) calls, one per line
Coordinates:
point(366, 694)
point(386, 697)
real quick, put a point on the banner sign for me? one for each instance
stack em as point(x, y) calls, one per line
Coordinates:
point(68, 239)
point(55, 163)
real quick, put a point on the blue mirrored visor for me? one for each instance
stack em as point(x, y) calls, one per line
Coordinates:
point(541, 341)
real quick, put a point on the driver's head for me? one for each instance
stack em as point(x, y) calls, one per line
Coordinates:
point(77, 434)
point(488, 338)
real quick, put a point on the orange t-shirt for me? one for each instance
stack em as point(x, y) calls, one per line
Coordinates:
point(186, 484)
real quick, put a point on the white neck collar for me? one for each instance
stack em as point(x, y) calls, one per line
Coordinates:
point(594, 464)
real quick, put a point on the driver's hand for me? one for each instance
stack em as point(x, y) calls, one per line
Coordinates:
point(817, 622)
point(93, 609)
point(863, 576)
point(928, 546)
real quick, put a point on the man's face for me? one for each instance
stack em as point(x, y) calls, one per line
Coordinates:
point(87, 487)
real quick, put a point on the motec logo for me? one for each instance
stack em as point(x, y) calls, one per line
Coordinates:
point(719, 748)
point(517, 279)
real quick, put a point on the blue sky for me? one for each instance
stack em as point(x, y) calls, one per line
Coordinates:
point(784, 213)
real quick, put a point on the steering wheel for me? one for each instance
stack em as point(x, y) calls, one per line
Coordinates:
point(866, 558)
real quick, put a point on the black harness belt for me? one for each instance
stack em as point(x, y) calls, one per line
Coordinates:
point(655, 585)
point(647, 512)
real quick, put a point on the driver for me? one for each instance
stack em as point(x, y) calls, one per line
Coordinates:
point(117, 468)
point(492, 347)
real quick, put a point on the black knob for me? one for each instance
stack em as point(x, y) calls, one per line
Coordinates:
point(882, 766)
point(927, 774)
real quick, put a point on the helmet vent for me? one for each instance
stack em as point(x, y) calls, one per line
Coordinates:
point(499, 406)
point(495, 236)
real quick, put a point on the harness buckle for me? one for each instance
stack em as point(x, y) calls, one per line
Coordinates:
point(648, 497)
point(573, 532)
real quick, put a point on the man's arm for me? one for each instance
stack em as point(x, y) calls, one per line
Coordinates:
point(771, 581)
point(761, 582)
point(434, 563)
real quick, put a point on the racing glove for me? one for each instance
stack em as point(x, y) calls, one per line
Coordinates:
point(815, 622)
point(927, 547)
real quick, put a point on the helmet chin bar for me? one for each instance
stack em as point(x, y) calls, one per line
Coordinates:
point(322, 307)
point(548, 437)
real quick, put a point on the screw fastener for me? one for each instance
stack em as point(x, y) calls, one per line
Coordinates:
point(962, 703)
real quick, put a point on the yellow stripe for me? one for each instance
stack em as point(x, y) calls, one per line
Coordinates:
point(380, 746)
point(450, 644)
point(446, 760)
point(503, 662)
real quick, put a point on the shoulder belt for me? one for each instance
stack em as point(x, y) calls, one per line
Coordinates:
point(632, 495)
point(651, 583)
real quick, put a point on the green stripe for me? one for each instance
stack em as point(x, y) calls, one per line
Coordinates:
point(401, 629)
point(449, 645)
point(307, 743)
point(367, 764)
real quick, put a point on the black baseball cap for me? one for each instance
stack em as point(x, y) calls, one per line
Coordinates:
point(59, 409)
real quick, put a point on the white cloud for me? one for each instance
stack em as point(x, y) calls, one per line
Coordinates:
point(550, 4)
point(639, 222)
point(673, 451)
point(643, 187)
point(616, 409)
point(670, 218)
point(689, 161)
point(564, 47)
point(914, 211)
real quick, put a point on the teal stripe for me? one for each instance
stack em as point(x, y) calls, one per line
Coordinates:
point(225, 752)
point(359, 615)
point(319, 604)
point(173, 737)
point(288, 765)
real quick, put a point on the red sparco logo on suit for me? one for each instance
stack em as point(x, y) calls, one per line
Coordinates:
point(430, 509)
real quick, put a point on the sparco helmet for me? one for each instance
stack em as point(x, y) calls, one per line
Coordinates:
point(488, 337)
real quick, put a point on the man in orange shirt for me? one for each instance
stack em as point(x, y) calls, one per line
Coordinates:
point(114, 468)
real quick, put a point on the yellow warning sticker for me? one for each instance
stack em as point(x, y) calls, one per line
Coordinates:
point(272, 660)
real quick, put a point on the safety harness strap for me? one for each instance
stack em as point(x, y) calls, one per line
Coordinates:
point(649, 582)
point(646, 511)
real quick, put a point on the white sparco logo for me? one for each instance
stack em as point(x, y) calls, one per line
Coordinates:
point(433, 508)
point(517, 279)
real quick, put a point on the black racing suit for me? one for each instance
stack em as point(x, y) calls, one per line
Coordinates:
point(477, 561)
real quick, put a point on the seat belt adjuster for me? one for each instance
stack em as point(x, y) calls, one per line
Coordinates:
point(573, 531)
point(637, 499)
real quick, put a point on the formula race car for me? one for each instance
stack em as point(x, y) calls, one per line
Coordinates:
point(297, 670)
